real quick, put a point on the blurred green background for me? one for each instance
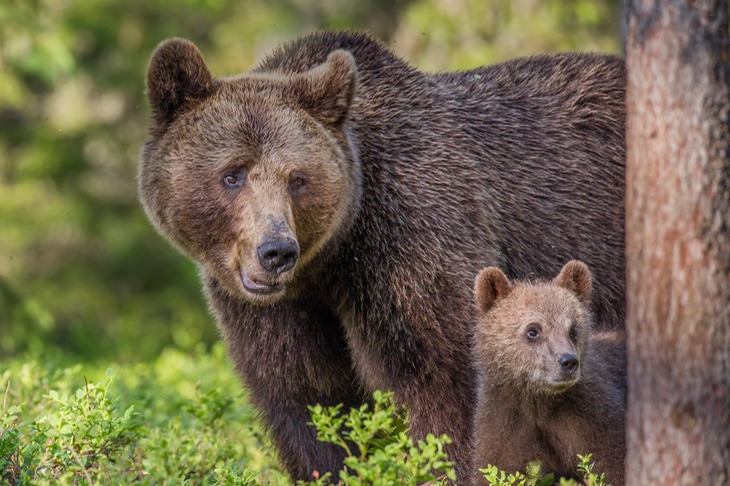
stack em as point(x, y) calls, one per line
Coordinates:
point(82, 274)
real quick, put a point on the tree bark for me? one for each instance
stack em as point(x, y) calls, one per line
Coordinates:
point(678, 243)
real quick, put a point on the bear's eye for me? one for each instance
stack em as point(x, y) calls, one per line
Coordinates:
point(532, 332)
point(573, 333)
point(297, 182)
point(234, 179)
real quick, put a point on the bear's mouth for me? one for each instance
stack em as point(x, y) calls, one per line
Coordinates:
point(560, 387)
point(562, 384)
point(260, 288)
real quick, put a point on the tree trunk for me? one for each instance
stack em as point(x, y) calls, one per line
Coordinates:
point(678, 243)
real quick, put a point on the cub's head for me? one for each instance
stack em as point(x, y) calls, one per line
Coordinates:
point(533, 335)
point(249, 176)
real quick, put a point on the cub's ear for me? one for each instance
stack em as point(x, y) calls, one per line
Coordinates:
point(576, 277)
point(176, 77)
point(490, 286)
point(326, 91)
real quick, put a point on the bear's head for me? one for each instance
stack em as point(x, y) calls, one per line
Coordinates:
point(252, 175)
point(533, 335)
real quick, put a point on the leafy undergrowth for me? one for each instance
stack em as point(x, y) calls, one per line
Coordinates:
point(181, 419)
point(532, 476)
point(184, 419)
point(378, 448)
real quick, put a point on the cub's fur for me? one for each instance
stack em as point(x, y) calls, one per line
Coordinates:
point(339, 204)
point(550, 387)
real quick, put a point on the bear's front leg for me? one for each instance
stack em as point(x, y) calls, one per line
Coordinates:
point(426, 362)
point(291, 355)
point(442, 405)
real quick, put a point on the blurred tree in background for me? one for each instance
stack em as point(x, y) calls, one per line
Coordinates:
point(82, 273)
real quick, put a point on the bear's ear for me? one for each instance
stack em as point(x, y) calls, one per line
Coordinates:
point(326, 91)
point(490, 286)
point(576, 277)
point(176, 77)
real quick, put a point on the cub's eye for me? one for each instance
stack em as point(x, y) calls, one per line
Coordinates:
point(532, 332)
point(573, 333)
point(297, 183)
point(234, 179)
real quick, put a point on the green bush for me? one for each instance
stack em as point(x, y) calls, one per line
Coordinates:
point(379, 451)
point(76, 432)
point(532, 477)
point(182, 419)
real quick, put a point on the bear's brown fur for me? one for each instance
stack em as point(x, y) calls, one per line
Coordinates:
point(340, 202)
point(549, 387)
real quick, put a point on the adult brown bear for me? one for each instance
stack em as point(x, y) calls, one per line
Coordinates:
point(339, 204)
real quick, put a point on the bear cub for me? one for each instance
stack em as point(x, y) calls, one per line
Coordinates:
point(549, 387)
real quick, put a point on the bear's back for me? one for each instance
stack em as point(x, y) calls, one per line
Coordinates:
point(529, 150)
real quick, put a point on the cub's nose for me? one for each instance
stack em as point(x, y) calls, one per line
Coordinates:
point(278, 255)
point(568, 362)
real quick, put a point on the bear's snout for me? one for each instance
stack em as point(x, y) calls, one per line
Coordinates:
point(568, 363)
point(278, 255)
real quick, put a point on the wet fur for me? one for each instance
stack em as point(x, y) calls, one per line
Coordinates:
point(425, 179)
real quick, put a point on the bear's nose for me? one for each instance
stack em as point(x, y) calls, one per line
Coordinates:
point(568, 362)
point(278, 255)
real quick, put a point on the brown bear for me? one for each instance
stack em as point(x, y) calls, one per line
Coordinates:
point(550, 387)
point(339, 204)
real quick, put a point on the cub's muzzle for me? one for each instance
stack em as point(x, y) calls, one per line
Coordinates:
point(568, 363)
